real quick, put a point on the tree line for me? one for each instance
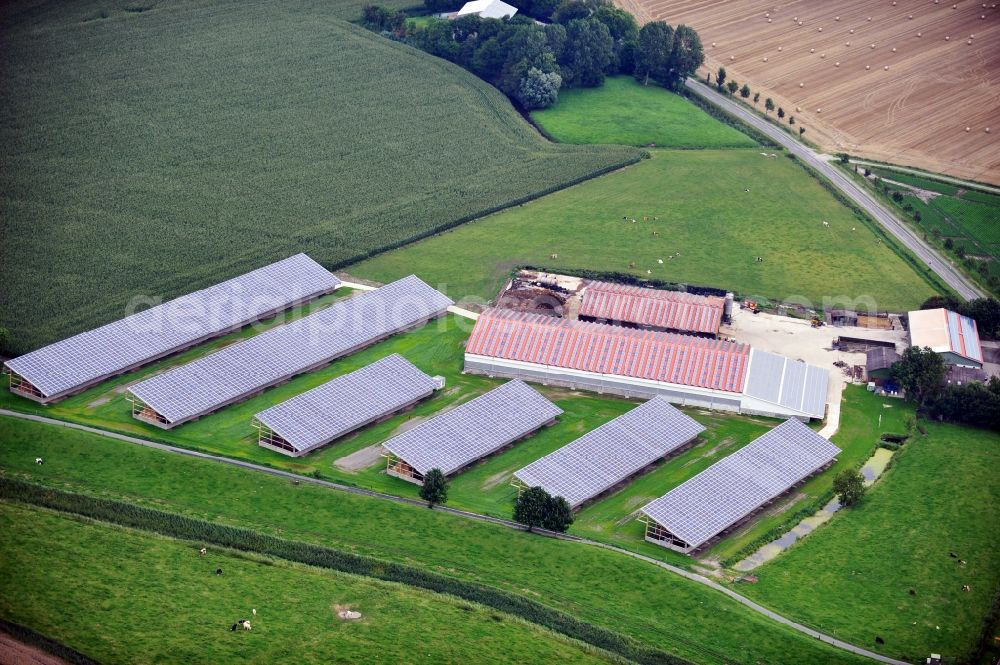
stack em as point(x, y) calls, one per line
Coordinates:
point(725, 85)
point(530, 62)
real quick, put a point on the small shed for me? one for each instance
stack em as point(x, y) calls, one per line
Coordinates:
point(879, 363)
point(842, 317)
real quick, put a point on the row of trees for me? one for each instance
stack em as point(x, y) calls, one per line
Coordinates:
point(534, 506)
point(725, 85)
point(921, 373)
point(530, 62)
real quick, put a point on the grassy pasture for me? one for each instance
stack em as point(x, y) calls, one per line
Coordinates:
point(153, 152)
point(122, 596)
point(625, 112)
point(716, 225)
point(852, 576)
point(624, 594)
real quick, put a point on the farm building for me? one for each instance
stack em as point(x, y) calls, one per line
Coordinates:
point(74, 364)
point(612, 453)
point(689, 516)
point(684, 369)
point(952, 335)
point(340, 406)
point(652, 309)
point(453, 440)
point(879, 362)
point(487, 9)
point(255, 364)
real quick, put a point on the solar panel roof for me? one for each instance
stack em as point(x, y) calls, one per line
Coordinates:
point(475, 429)
point(348, 402)
point(735, 486)
point(790, 383)
point(611, 453)
point(259, 362)
point(152, 333)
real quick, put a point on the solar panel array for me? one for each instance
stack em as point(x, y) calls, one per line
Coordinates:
point(348, 402)
point(152, 333)
point(282, 352)
point(739, 484)
point(790, 383)
point(475, 429)
point(611, 453)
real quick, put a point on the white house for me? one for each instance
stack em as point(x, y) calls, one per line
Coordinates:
point(487, 9)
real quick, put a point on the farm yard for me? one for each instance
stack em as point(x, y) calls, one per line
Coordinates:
point(121, 134)
point(623, 111)
point(894, 82)
point(91, 585)
point(713, 227)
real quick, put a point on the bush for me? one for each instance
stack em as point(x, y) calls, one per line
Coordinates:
point(245, 540)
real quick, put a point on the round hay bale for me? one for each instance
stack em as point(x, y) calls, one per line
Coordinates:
point(910, 17)
point(920, 34)
point(867, 67)
point(847, 44)
point(764, 59)
point(968, 41)
point(886, 68)
point(819, 29)
point(987, 130)
point(836, 64)
point(779, 49)
point(872, 45)
point(982, 17)
point(869, 18)
point(822, 55)
point(947, 38)
point(893, 49)
point(768, 20)
point(732, 57)
point(819, 110)
point(968, 129)
point(852, 31)
point(802, 85)
point(768, 14)
point(713, 44)
point(812, 50)
point(798, 109)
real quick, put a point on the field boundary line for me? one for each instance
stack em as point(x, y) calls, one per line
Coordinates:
point(937, 177)
point(694, 577)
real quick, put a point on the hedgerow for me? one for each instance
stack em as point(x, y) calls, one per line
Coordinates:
point(246, 540)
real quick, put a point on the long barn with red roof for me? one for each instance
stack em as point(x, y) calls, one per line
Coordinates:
point(652, 309)
point(685, 369)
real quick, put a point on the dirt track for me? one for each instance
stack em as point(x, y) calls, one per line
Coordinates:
point(915, 113)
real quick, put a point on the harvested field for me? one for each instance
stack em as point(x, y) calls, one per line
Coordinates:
point(914, 113)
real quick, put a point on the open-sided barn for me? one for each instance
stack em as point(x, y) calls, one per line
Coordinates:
point(684, 369)
point(610, 454)
point(452, 440)
point(71, 365)
point(693, 513)
point(338, 407)
point(238, 371)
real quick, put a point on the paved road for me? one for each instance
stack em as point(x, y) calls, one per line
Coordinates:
point(927, 255)
point(694, 577)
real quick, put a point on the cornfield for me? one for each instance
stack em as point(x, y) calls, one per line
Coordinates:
point(154, 152)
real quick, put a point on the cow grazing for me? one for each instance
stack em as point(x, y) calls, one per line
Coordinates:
point(203, 551)
point(245, 625)
point(39, 460)
point(218, 571)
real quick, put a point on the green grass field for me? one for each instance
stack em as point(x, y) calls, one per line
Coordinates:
point(853, 576)
point(969, 218)
point(713, 222)
point(122, 596)
point(600, 586)
point(153, 152)
point(623, 111)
